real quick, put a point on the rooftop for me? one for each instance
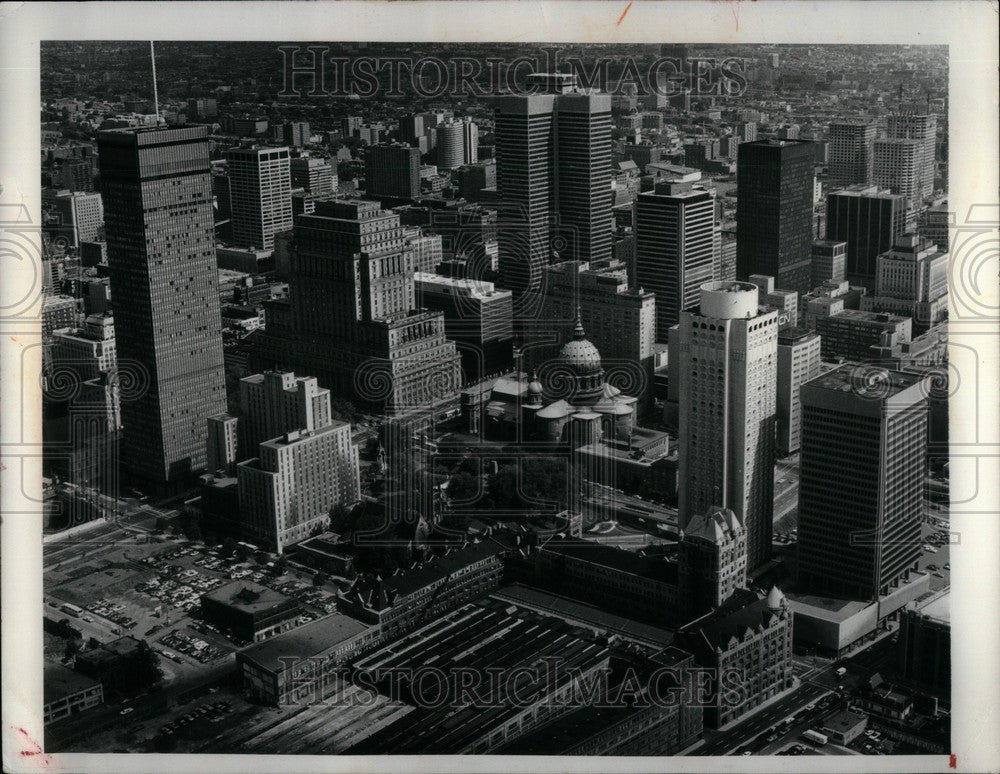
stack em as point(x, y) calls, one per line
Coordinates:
point(61, 681)
point(306, 641)
point(251, 597)
point(880, 382)
point(935, 606)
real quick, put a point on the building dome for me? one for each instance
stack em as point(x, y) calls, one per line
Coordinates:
point(579, 354)
point(775, 599)
point(534, 386)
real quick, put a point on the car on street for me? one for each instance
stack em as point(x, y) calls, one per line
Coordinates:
point(127, 710)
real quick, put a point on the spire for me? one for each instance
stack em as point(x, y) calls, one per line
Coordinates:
point(578, 332)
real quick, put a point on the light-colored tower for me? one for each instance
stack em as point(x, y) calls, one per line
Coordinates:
point(470, 141)
point(851, 152)
point(728, 375)
point(922, 127)
point(260, 186)
point(450, 145)
point(898, 167)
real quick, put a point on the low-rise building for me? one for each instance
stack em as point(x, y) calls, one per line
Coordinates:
point(250, 611)
point(68, 692)
point(844, 727)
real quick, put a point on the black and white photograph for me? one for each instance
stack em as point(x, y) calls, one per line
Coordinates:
point(560, 397)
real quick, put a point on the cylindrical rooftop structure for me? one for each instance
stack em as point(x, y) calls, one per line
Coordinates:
point(728, 300)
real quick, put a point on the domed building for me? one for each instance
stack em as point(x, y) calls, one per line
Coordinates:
point(567, 402)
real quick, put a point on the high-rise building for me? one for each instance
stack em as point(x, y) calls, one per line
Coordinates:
point(223, 444)
point(477, 317)
point(314, 175)
point(829, 261)
point(898, 167)
point(727, 379)
point(864, 442)
point(553, 163)
point(911, 280)
point(157, 191)
point(350, 316)
point(393, 171)
point(295, 133)
point(935, 223)
point(674, 251)
point(470, 142)
point(73, 217)
point(450, 145)
point(852, 334)
point(275, 402)
point(774, 184)
point(411, 129)
point(920, 126)
point(851, 153)
point(869, 220)
point(260, 187)
point(784, 302)
point(287, 491)
point(798, 362)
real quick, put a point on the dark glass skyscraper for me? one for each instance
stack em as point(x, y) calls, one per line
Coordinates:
point(157, 190)
point(868, 220)
point(864, 459)
point(774, 186)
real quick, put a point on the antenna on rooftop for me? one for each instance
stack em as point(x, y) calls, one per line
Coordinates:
point(156, 96)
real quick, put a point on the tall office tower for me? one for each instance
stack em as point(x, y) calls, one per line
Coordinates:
point(851, 152)
point(350, 317)
point(774, 185)
point(727, 378)
point(157, 191)
point(674, 251)
point(869, 220)
point(260, 187)
point(77, 174)
point(798, 362)
point(223, 444)
point(911, 280)
point(74, 217)
point(411, 129)
point(477, 317)
point(898, 164)
point(287, 491)
point(314, 175)
point(450, 145)
point(295, 133)
point(275, 402)
point(470, 142)
point(712, 560)
point(922, 127)
point(393, 171)
point(863, 464)
point(725, 266)
point(553, 164)
point(474, 178)
point(829, 262)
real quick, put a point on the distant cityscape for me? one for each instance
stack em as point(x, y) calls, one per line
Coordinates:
point(495, 399)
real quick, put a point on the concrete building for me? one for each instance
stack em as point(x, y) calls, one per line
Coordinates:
point(798, 363)
point(350, 316)
point(249, 611)
point(935, 223)
point(165, 284)
point(223, 444)
point(450, 145)
point(921, 126)
point(852, 334)
point(829, 262)
point(864, 441)
point(869, 220)
point(477, 317)
point(316, 176)
point(275, 402)
point(67, 692)
point(898, 167)
point(924, 647)
point(88, 351)
point(851, 152)
point(911, 280)
point(784, 302)
point(727, 380)
point(260, 187)
point(674, 250)
point(774, 211)
point(73, 217)
point(712, 561)
point(287, 491)
point(393, 171)
point(295, 134)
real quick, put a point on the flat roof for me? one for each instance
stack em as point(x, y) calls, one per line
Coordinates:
point(305, 641)
point(843, 721)
point(251, 597)
point(61, 681)
point(936, 606)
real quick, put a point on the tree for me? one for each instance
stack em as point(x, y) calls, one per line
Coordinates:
point(320, 578)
